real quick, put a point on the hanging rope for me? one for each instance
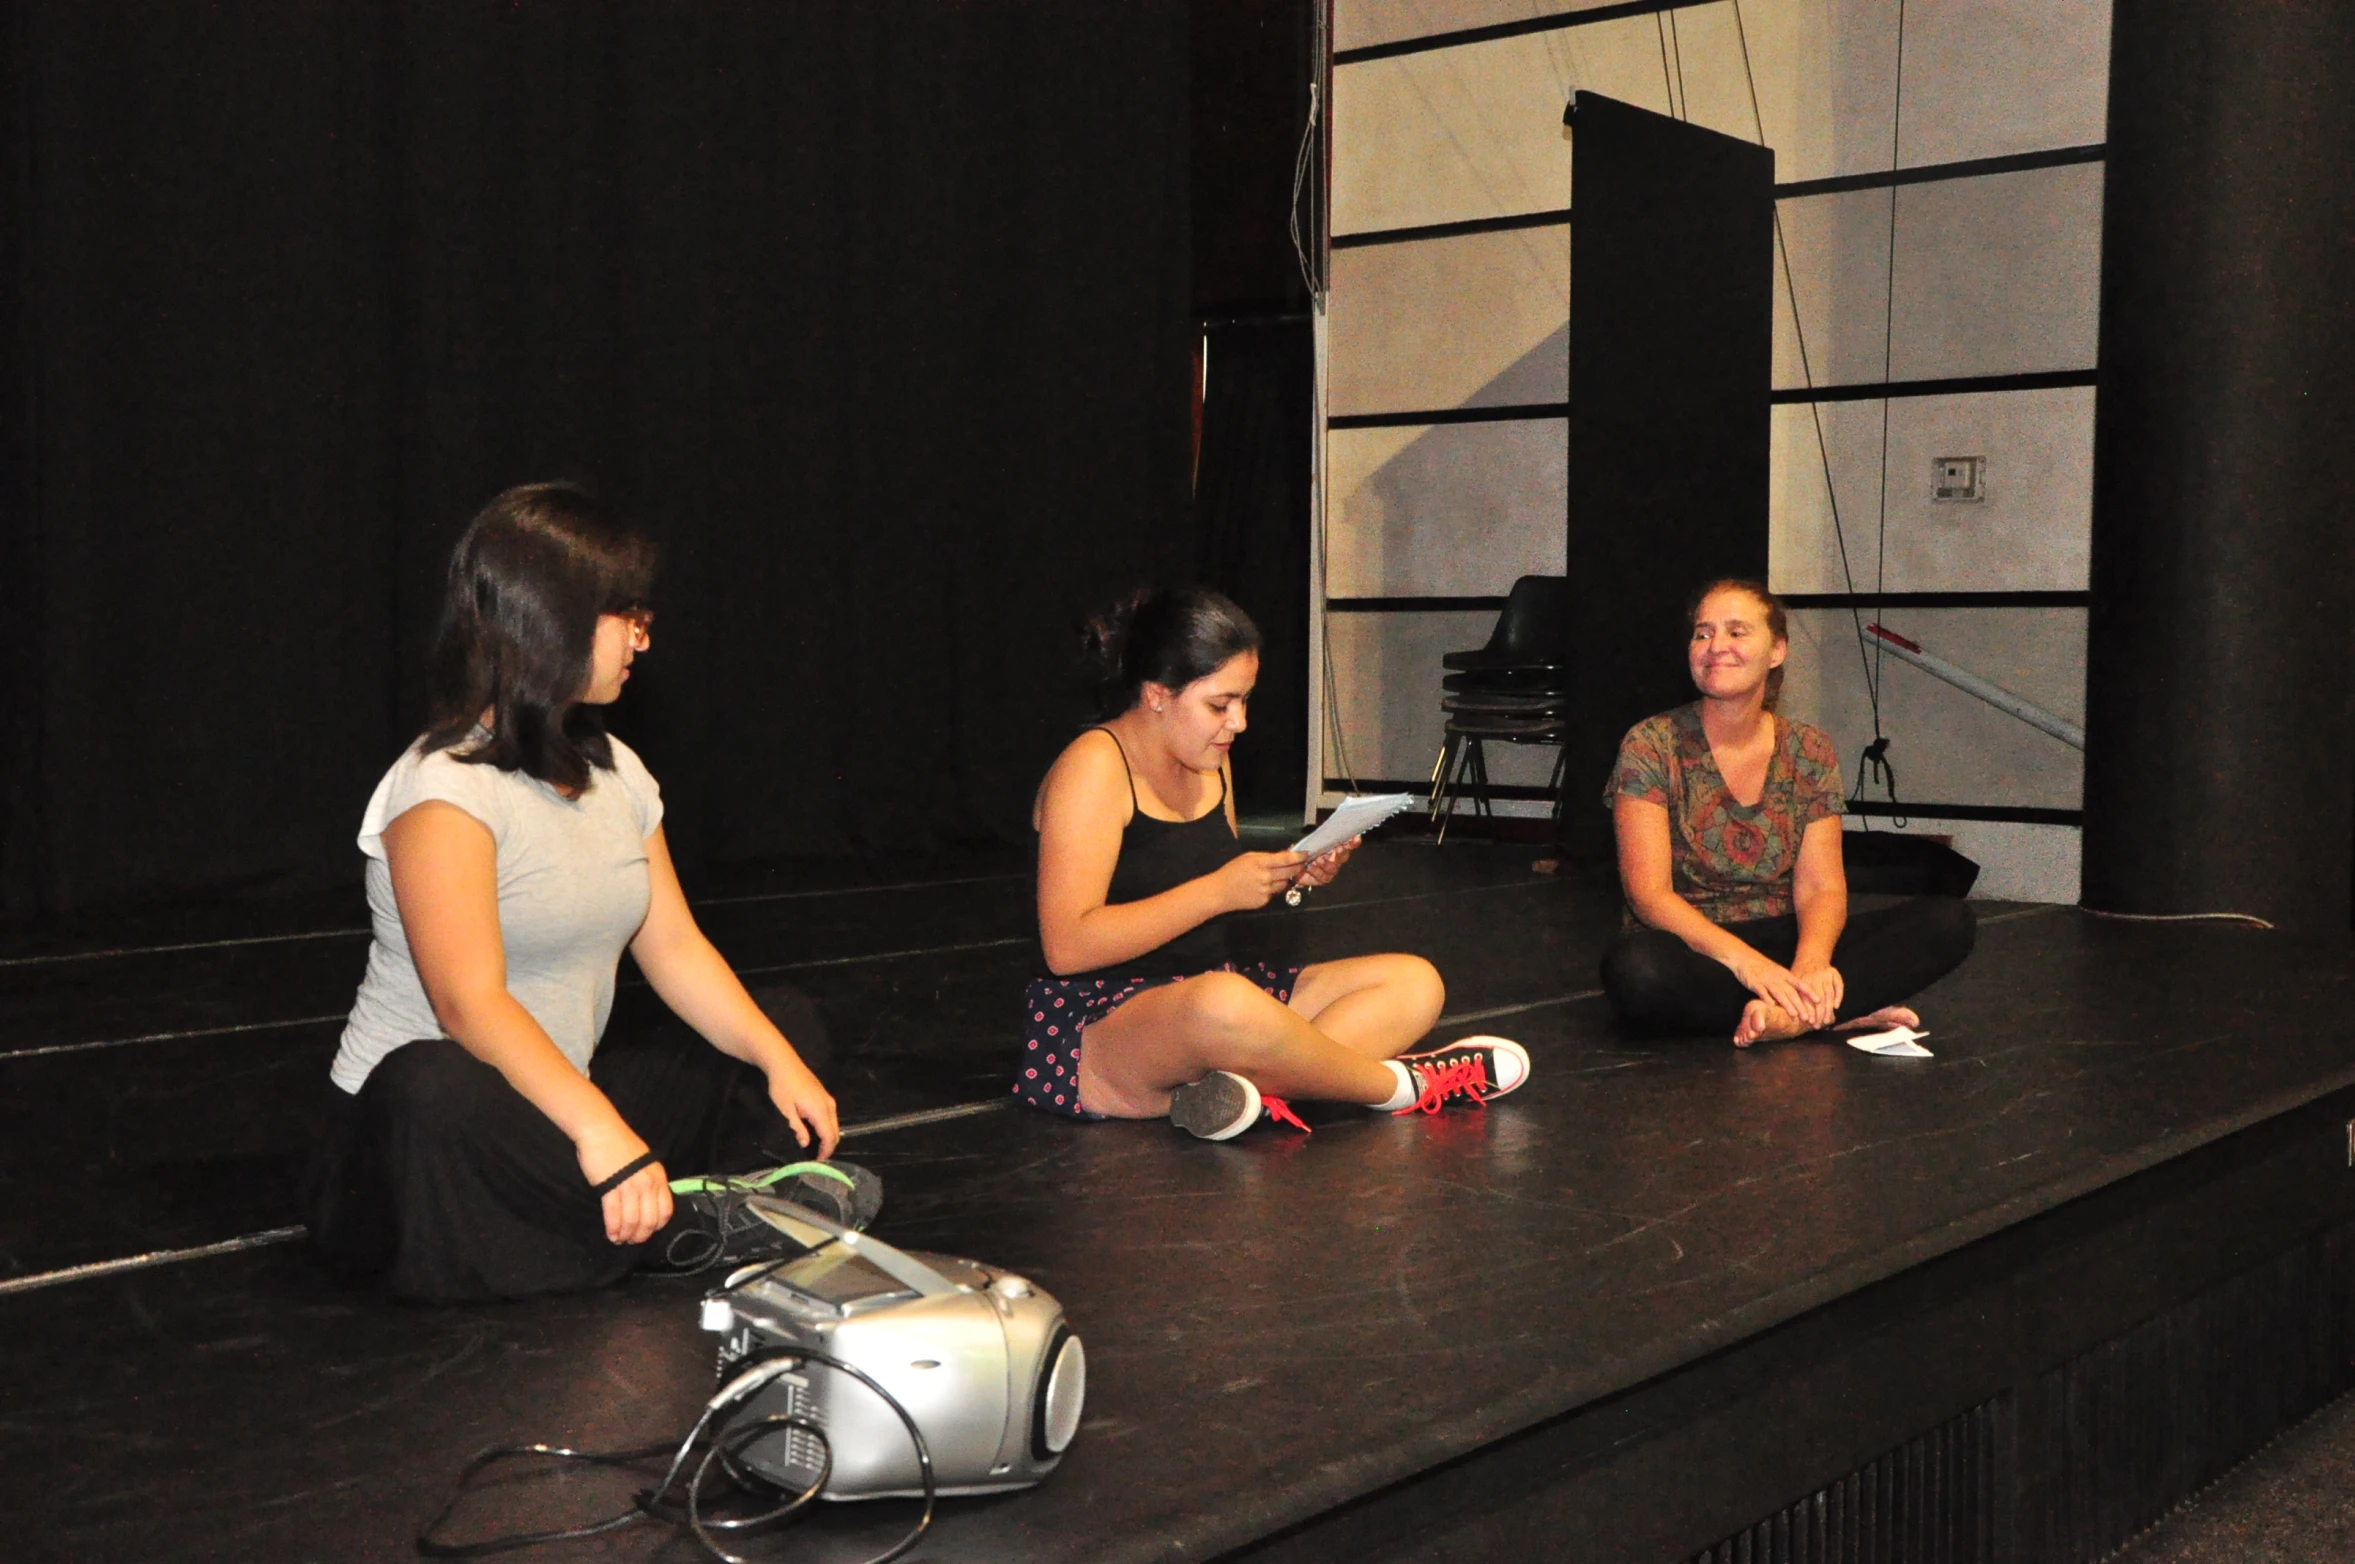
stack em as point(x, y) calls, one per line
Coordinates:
point(1874, 762)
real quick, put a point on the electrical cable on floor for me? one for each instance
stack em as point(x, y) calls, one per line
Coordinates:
point(2248, 918)
point(725, 1446)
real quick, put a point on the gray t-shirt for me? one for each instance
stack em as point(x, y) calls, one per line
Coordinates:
point(572, 893)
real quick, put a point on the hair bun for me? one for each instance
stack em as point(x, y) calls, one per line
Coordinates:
point(1162, 635)
point(1104, 642)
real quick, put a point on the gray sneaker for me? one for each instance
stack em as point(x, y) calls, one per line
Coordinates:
point(1219, 1106)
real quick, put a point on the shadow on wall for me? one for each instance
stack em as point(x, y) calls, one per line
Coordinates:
point(1464, 509)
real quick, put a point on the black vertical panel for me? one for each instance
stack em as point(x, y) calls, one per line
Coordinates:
point(1671, 304)
point(2220, 736)
point(1253, 61)
point(21, 792)
point(1251, 512)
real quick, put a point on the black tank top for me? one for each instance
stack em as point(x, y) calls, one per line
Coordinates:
point(1160, 855)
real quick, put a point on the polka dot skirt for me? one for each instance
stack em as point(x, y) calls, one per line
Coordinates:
point(1057, 1011)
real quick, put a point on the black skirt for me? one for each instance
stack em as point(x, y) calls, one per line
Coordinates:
point(444, 1179)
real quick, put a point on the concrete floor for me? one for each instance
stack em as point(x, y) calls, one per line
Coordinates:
point(2293, 1502)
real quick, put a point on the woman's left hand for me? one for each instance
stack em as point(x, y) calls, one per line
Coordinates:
point(1826, 988)
point(1325, 865)
point(807, 1106)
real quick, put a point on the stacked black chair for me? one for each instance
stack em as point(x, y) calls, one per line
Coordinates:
point(1514, 690)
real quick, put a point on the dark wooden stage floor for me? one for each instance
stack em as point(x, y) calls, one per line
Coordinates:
point(1666, 1292)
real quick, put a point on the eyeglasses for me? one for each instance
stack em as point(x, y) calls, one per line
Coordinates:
point(641, 623)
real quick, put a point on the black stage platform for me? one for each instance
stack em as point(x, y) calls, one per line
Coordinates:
point(2007, 1303)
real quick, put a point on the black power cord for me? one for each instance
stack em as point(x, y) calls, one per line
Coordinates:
point(686, 1511)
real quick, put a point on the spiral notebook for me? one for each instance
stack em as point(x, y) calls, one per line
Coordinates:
point(1357, 814)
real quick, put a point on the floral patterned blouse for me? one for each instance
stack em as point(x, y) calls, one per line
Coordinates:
point(1732, 863)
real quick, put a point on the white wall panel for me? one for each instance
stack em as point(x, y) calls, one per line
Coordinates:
point(1358, 24)
point(1838, 276)
point(1476, 130)
point(2000, 275)
point(1983, 78)
point(1826, 83)
point(1996, 275)
point(1949, 747)
point(1477, 321)
point(1453, 134)
point(2032, 533)
point(1446, 509)
point(1987, 78)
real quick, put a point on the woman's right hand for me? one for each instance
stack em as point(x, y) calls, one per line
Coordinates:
point(1778, 986)
point(636, 1208)
point(1252, 880)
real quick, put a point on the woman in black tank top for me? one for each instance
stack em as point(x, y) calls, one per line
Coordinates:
point(1144, 1011)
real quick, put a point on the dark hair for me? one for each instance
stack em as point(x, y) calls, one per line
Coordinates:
point(1778, 624)
point(1166, 635)
point(528, 582)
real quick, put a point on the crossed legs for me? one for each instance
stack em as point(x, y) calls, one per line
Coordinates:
point(1327, 1044)
point(1660, 986)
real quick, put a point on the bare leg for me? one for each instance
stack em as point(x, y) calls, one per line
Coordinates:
point(1168, 1036)
point(1378, 1006)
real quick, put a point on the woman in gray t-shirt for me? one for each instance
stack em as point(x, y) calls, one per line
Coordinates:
point(481, 1143)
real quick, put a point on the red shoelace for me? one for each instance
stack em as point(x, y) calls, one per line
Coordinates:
point(1277, 1109)
point(1466, 1078)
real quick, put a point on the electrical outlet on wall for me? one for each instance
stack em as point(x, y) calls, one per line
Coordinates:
point(1958, 478)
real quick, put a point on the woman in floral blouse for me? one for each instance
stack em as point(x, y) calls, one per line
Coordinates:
point(1737, 913)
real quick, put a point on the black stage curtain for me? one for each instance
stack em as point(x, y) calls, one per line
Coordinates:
point(1251, 497)
point(879, 314)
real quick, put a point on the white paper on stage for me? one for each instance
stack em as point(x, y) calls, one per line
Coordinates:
point(1899, 1042)
point(1357, 814)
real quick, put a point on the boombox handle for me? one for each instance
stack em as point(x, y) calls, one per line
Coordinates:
point(807, 1228)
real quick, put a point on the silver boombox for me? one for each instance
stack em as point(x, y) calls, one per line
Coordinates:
point(981, 1361)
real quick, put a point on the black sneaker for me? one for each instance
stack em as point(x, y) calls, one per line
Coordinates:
point(711, 1226)
point(1477, 1070)
point(1219, 1106)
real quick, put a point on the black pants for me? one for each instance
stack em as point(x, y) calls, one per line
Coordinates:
point(1659, 984)
point(444, 1177)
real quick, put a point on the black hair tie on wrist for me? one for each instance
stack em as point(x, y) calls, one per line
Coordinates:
point(628, 1170)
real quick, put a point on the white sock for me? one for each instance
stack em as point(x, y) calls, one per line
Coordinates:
point(1408, 1089)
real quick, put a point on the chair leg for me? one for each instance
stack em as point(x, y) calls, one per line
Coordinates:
point(1479, 778)
point(1443, 809)
point(1439, 771)
point(1554, 782)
